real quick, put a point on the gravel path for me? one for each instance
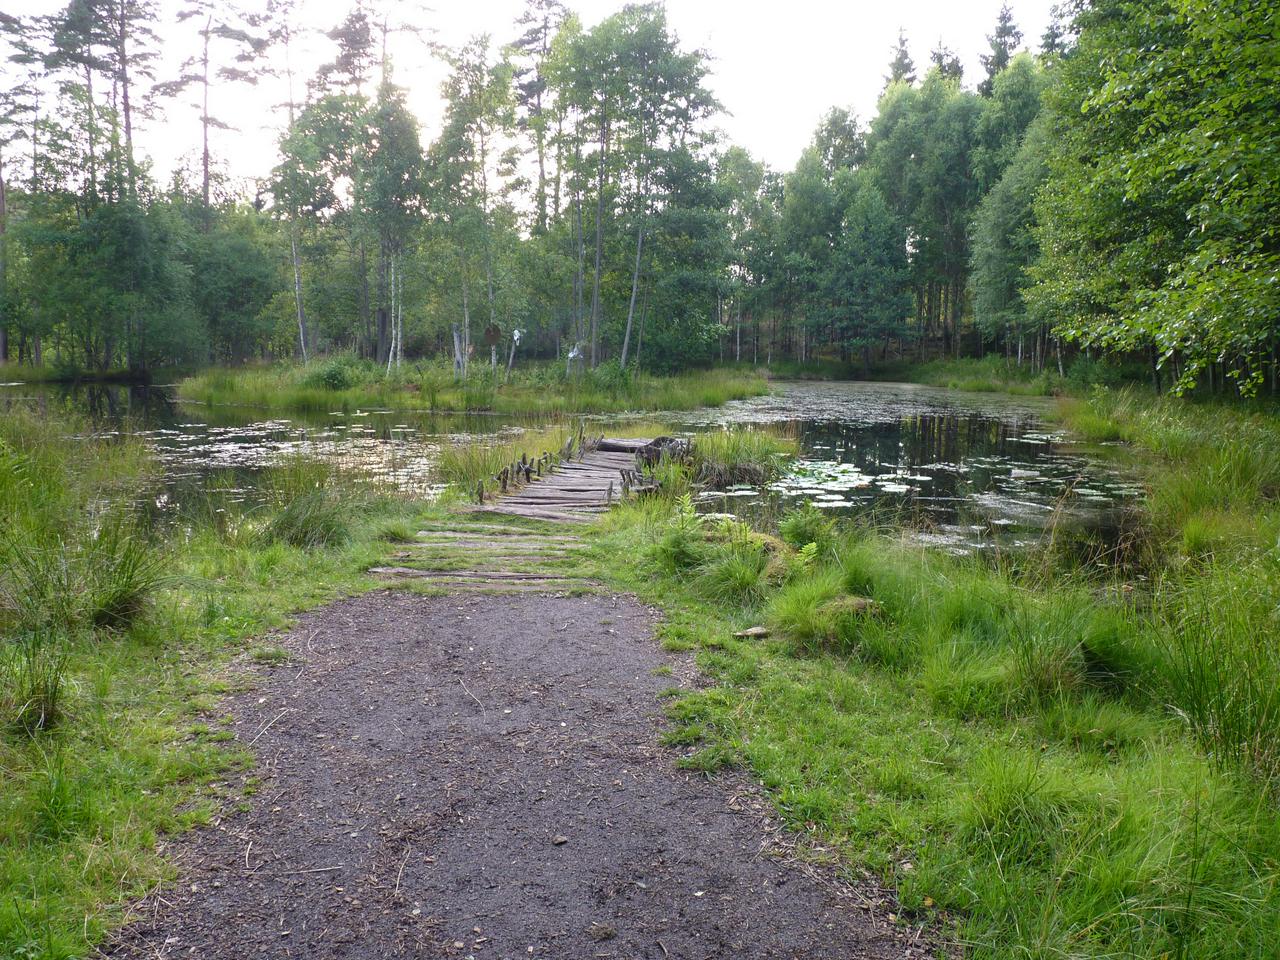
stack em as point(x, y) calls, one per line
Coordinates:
point(473, 776)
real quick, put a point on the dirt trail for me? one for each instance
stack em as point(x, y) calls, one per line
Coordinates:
point(480, 776)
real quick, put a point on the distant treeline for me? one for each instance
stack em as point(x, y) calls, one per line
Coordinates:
point(1118, 190)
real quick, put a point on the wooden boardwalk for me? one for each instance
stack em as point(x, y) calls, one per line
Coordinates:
point(474, 554)
point(577, 489)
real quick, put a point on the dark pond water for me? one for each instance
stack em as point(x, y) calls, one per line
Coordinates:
point(963, 471)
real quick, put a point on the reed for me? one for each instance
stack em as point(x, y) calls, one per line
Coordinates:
point(740, 455)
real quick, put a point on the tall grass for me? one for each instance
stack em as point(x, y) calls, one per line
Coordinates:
point(990, 374)
point(722, 458)
point(466, 464)
point(1063, 767)
point(1213, 476)
point(68, 566)
point(309, 506)
point(345, 384)
point(113, 639)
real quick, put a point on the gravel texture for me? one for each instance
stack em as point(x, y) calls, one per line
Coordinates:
point(476, 776)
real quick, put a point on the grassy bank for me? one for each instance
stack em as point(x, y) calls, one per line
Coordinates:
point(115, 636)
point(542, 389)
point(1023, 758)
point(61, 373)
point(1213, 468)
point(991, 374)
point(1044, 763)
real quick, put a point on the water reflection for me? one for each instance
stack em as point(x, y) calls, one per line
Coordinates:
point(964, 471)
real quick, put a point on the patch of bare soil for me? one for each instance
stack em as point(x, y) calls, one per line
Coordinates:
point(471, 776)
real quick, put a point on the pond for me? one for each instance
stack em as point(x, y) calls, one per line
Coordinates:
point(962, 471)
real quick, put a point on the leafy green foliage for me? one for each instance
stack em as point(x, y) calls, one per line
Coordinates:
point(1159, 220)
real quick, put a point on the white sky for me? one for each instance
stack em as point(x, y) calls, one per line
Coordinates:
point(778, 65)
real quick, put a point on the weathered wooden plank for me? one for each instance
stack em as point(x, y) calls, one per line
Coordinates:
point(621, 445)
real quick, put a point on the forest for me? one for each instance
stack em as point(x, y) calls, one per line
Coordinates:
point(441, 532)
point(1109, 193)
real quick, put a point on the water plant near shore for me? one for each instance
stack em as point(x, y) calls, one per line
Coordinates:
point(722, 458)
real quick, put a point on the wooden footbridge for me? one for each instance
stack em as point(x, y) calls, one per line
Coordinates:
point(573, 485)
point(485, 551)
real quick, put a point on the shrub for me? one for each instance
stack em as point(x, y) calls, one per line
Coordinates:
point(806, 525)
point(433, 381)
point(336, 373)
point(680, 545)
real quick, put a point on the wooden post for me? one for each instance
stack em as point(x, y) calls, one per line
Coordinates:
point(479, 491)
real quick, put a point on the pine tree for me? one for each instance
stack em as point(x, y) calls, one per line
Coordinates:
point(948, 64)
point(901, 67)
point(1056, 37)
point(541, 19)
point(1004, 44)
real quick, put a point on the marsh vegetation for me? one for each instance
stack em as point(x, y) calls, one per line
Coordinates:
point(1046, 759)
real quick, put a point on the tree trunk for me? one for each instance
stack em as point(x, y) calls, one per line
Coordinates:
point(539, 140)
point(555, 183)
point(383, 331)
point(580, 276)
point(644, 312)
point(635, 286)
point(466, 322)
point(4, 266)
point(204, 122)
point(366, 320)
point(595, 282)
point(123, 65)
point(391, 345)
point(297, 291)
point(92, 134)
point(737, 331)
point(459, 365)
point(399, 315)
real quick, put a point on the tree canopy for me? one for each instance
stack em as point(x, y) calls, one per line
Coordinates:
point(1115, 191)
